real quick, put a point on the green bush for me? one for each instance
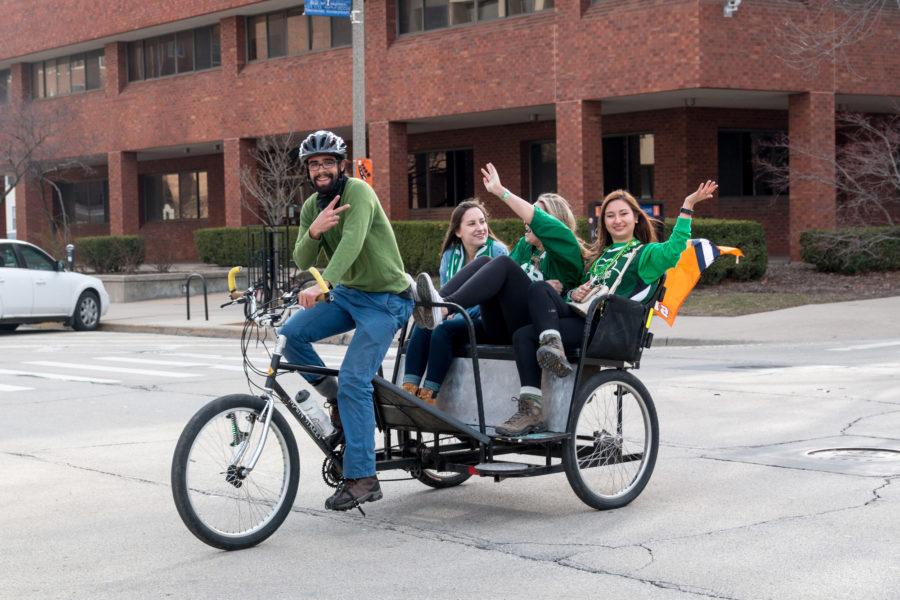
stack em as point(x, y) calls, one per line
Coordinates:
point(111, 253)
point(420, 244)
point(852, 250)
point(749, 236)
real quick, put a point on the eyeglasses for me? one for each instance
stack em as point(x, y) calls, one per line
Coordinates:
point(328, 163)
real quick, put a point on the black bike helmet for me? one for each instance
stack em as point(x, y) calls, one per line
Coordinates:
point(323, 142)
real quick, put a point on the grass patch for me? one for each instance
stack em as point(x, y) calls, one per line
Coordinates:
point(713, 303)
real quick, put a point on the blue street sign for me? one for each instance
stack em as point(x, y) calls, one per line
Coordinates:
point(328, 8)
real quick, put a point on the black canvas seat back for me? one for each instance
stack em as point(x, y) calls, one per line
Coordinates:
point(619, 326)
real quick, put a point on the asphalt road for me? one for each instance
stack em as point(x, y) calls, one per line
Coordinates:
point(736, 508)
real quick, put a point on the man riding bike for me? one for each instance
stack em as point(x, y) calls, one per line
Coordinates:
point(370, 293)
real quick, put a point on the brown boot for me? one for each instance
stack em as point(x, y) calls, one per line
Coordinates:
point(552, 356)
point(427, 396)
point(528, 419)
point(353, 492)
point(410, 388)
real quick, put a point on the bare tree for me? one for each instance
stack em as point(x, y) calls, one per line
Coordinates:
point(864, 171)
point(29, 145)
point(276, 182)
point(826, 30)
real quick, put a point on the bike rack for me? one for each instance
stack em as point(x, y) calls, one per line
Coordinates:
point(187, 294)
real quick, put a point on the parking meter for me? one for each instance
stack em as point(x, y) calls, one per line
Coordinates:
point(70, 257)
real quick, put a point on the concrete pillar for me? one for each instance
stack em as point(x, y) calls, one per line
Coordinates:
point(388, 150)
point(20, 83)
point(31, 217)
point(811, 128)
point(116, 56)
point(124, 206)
point(237, 158)
point(579, 153)
point(233, 45)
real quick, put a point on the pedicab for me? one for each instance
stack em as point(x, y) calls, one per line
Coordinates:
point(235, 470)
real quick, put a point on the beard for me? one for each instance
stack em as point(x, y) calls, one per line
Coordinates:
point(327, 192)
point(324, 187)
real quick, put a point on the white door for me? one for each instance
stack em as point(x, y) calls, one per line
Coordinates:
point(16, 287)
point(51, 298)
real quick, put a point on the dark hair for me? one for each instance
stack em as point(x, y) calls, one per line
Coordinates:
point(456, 218)
point(644, 229)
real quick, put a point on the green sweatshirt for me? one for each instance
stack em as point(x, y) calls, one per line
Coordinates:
point(561, 258)
point(652, 261)
point(361, 249)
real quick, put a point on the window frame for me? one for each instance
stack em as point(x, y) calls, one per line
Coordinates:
point(427, 183)
point(285, 14)
point(532, 144)
point(104, 197)
point(160, 42)
point(629, 185)
point(39, 71)
point(202, 215)
point(476, 9)
point(754, 177)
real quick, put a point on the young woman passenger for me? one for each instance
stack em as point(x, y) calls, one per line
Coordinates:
point(468, 238)
point(624, 230)
point(549, 251)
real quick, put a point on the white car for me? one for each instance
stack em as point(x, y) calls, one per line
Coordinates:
point(36, 288)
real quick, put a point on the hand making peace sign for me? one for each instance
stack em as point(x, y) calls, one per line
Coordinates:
point(328, 218)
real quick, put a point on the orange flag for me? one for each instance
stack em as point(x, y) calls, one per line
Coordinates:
point(682, 278)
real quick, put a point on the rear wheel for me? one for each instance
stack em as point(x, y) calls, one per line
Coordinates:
point(87, 312)
point(441, 479)
point(218, 500)
point(8, 326)
point(612, 452)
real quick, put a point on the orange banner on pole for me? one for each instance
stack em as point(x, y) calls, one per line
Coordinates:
point(363, 169)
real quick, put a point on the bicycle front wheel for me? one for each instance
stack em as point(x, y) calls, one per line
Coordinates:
point(218, 500)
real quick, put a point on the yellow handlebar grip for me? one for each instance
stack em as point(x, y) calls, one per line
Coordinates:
point(318, 277)
point(232, 286)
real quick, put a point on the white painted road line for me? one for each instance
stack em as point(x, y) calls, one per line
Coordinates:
point(13, 388)
point(50, 363)
point(57, 376)
point(865, 346)
point(149, 361)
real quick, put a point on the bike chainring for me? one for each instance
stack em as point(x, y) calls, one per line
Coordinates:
point(332, 474)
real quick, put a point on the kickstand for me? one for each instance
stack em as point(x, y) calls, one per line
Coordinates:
point(361, 511)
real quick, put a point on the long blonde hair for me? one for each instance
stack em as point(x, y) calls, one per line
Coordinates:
point(644, 229)
point(557, 206)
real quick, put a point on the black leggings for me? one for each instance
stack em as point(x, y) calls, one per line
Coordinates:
point(547, 310)
point(500, 287)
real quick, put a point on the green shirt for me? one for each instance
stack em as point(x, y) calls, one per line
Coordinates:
point(361, 249)
point(652, 261)
point(561, 258)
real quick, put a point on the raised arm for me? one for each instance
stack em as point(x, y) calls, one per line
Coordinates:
point(523, 209)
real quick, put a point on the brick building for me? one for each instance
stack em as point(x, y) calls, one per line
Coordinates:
point(165, 100)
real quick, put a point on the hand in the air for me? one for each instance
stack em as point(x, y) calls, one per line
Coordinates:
point(328, 218)
point(704, 192)
point(491, 180)
point(556, 284)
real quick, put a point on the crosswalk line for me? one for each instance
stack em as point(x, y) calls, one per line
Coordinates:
point(150, 361)
point(13, 388)
point(57, 376)
point(105, 368)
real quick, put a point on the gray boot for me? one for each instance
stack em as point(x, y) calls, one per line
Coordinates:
point(528, 419)
point(552, 356)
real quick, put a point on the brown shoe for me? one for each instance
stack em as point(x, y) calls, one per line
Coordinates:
point(528, 419)
point(410, 388)
point(353, 492)
point(552, 356)
point(427, 396)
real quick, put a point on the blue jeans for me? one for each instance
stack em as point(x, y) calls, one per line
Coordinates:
point(436, 348)
point(376, 317)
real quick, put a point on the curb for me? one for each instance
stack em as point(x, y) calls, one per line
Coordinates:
point(234, 332)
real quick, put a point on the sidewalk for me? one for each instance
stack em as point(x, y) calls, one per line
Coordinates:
point(862, 320)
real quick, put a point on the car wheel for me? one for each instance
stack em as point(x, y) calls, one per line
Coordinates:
point(8, 326)
point(87, 312)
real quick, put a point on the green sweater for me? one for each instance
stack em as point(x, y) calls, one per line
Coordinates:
point(361, 249)
point(652, 261)
point(561, 258)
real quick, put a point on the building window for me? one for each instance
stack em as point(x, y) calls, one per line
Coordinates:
point(86, 202)
point(68, 75)
point(628, 164)
point(174, 53)
point(425, 15)
point(541, 168)
point(5, 80)
point(290, 32)
point(740, 153)
point(171, 196)
point(442, 178)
